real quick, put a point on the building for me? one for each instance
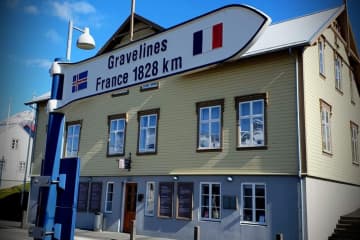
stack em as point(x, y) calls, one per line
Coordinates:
point(16, 136)
point(262, 146)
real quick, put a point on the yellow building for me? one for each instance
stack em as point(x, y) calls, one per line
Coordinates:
point(262, 146)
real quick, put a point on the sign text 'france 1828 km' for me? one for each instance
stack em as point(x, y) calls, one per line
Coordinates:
point(203, 41)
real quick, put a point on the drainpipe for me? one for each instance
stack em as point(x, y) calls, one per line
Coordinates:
point(302, 198)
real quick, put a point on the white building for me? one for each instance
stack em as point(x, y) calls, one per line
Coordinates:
point(16, 139)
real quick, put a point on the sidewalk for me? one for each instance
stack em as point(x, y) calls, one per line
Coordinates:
point(12, 231)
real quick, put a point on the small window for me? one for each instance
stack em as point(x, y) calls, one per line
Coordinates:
point(82, 203)
point(72, 139)
point(210, 201)
point(338, 73)
point(148, 127)
point(354, 131)
point(150, 199)
point(95, 197)
point(325, 114)
point(109, 197)
point(321, 58)
point(352, 87)
point(22, 166)
point(251, 119)
point(210, 125)
point(14, 144)
point(253, 203)
point(117, 127)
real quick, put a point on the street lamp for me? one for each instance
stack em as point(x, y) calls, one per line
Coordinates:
point(85, 40)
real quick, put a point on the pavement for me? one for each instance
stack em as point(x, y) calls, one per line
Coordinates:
point(13, 231)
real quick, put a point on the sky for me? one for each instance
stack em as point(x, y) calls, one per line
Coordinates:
point(34, 32)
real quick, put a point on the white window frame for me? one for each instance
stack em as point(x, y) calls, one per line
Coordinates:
point(210, 204)
point(325, 117)
point(150, 199)
point(209, 123)
point(251, 116)
point(70, 140)
point(107, 197)
point(354, 131)
point(321, 58)
point(118, 150)
point(352, 81)
point(253, 208)
point(146, 137)
point(338, 72)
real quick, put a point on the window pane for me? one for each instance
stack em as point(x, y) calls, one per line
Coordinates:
point(77, 130)
point(258, 107)
point(152, 121)
point(204, 113)
point(142, 138)
point(143, 121)
point(112, 125)
point(247, 190)
point(260, 216)
point(205, 189)
point(121, 124)
point(215, 189)
point(247, 215)
point(215, 112)
point(70, 130)
point(205, 212)
point(248, 202)
point(244, 109)
point(260, 190)
point(258, 127)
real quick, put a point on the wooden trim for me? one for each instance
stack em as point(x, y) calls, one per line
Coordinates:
point(148, 112)
point(210, 103)
point(113, 117)
point(245, 98)
point(301, 113)
point(331, 180)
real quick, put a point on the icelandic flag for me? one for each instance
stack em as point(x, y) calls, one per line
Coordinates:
point(79, 81)
point(208, 39)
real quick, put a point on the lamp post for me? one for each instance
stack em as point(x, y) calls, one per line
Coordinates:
point(50, 181)
point(85, 40)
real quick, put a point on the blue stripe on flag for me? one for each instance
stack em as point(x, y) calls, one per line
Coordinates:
point(197, 42)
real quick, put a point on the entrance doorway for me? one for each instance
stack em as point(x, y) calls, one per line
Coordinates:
point(130, 206)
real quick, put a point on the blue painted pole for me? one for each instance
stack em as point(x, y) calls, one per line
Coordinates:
point(51, 163)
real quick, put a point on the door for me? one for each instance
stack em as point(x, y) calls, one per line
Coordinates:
point(130, 206)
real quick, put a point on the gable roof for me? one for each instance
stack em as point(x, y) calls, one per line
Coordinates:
point(124, 30)
point(295, 32)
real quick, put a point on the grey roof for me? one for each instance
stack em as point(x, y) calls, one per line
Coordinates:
point(41, 98)
point(294, 32)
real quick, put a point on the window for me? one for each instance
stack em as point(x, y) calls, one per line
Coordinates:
point(210, 201)
point(14, 144)
point(72, 139)
point(355, 142)
point(251, 119)
point(325, 113)
point(117, 127)
point(150, 199)
point(147, 139)
point(352, 88)
point(338, 74)
point(89, 197)
point(210, 124)
point(166, 193)
point(184, 200)
point(109, 197)
point(321, 58)
point(22, 166)
point(253, 203)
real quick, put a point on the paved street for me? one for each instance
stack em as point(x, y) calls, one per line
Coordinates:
point(12, 231)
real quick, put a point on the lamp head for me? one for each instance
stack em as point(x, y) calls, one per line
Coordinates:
point(86, 41)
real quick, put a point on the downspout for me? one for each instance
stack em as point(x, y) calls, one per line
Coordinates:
point(299, 112)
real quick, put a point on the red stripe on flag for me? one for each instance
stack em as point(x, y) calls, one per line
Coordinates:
point(217, 36)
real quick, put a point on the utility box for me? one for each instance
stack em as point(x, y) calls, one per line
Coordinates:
point(98, 221)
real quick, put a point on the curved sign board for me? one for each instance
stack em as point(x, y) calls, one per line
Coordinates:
point(203, 41)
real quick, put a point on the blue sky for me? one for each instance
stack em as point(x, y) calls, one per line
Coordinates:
point(34, 32)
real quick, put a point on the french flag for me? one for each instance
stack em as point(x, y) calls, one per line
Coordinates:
point(208, 39)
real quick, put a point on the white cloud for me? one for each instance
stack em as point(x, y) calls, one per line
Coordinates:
point(69, 10)
point(53, 36)
point(31, 9)
point(39, 62)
